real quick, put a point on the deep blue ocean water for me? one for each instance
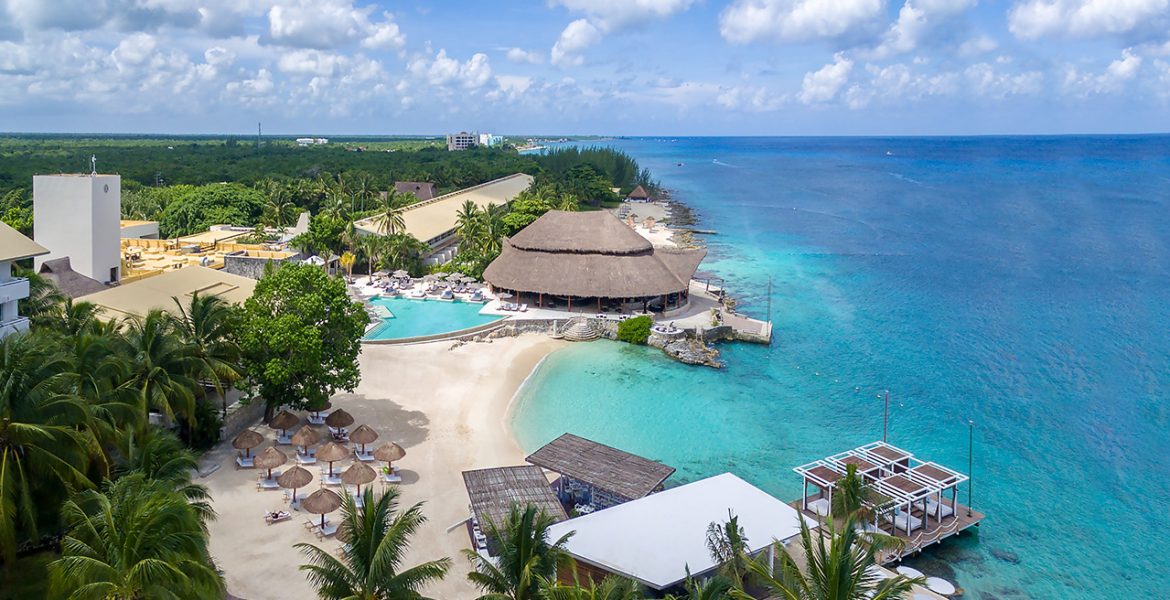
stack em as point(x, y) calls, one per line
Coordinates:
point(1020, 283)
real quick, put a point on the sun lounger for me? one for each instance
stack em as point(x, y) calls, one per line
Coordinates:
point(367, 456)
point(267, 484)
point(939, 510)
point(277, 516)
point(327, 531)
point(284, 439)
point(318, 419)
point(326, 479)
point(523, 308)
point(306, 459)
point(391, 478)
point(244, 463)
point(820, 506)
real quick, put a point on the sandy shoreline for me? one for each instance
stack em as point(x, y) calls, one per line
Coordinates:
point(448, 407)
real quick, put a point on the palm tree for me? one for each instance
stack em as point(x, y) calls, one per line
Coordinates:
point(77, 318)
point(525, 557)
point(206, 325)
point(727, 544)
point(712, 588)
point(43, 443)
point(853, 497)
point(370, 563)
point(373, 247)
point(279, 209)
point(97, 376)
point(161, 366)
point(469, 224)
point(402, 251)
point(839, 566)
point(139, 539)
point(610, 588)
point(390, 219)
point(159, 455)
point(44, 299)
point(347, 261)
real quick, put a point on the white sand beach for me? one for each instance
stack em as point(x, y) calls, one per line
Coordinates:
point(448, 408)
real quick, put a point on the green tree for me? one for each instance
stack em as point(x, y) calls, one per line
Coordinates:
point(373, 248)
point(279, 210)
point(712, 588)
point(370, 565)
point(525, 556)
point(44, 445)
point(389, 218)
point(159, 455)
point(610, 588)
point(403, 251)
point(728, 547)
point(207, 325)
point(838, 567)
point(43, 304)
point(300, 336)
point(138, 539)
point(163, 369)
point(635, 330)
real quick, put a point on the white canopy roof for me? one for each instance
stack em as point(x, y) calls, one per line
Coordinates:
point(655, 539)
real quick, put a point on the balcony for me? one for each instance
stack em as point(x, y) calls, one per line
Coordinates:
point(12, 326)
point(13, 289)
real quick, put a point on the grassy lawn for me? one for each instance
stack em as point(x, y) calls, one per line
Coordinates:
point(28, 579)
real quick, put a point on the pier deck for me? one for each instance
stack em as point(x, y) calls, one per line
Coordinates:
point(932, 533)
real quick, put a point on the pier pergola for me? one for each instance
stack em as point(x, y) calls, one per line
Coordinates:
point(903, 482)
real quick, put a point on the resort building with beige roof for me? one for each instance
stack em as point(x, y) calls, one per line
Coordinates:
point(136, 298)
point(434, 221)
point(14, 246)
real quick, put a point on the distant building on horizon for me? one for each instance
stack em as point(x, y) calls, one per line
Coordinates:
point(302, 142)
point(461, 141)
point(488, 140)
point(79, 216)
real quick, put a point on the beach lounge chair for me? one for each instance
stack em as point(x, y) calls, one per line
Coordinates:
point(276, 516)
point(523, 308)
point(306, 459)
point(820, 506)
point(939, 510)
point(284, 439)
point(317, 418)
point(367, 456)
point(391, 478)
point(327, 531)
point(244, 462)
point(267, 484)
point(327, 479)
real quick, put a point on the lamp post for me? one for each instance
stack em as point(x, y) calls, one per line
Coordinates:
point(970, 463)
point(886, 417)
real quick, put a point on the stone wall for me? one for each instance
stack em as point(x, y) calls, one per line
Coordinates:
point(240, 415)
point(250, 266)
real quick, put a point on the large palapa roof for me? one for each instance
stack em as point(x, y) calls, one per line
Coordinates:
point(589, 254)
point(494, 491)
point(603, 466)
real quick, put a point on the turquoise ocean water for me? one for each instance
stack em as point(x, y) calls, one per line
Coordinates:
point(1021, 283)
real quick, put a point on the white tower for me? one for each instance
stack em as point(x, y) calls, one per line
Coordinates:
point(78, 216)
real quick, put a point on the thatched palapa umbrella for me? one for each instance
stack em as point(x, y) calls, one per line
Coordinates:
point(269, 459)
point(358, 474)
point(388, 453)
point(247, 440)
point(284, 421)
point(296, 477)
point(339, 418)
point(363, 435)
point(304, 437)
point(321, 502)
point(331, 453)
point(399, 274)
point(316, 410)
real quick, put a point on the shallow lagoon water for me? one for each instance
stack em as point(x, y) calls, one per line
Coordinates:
point(1021, 283)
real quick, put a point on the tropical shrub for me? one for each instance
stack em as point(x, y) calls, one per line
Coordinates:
point(635, 330)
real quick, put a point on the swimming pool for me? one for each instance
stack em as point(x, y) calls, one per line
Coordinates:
point(414, 318)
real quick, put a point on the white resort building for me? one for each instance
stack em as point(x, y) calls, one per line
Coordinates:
point(14, 247)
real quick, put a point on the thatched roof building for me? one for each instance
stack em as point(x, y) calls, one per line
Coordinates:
point(639, 194)
point(589, 255)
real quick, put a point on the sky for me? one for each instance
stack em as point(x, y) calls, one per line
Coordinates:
point(606, 67)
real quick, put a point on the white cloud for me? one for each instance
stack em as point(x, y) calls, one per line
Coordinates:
point(520, 55)
point(977, 45)
point(823, 85)
point(444, 71)
point(331, 24)
point(311, 62)
point(613, 15)
point(984, 80)
point(1112, 80)
point(1032, 19)
point(747, 21)
point(576, 37)
point(121, 15)
point(916, 20)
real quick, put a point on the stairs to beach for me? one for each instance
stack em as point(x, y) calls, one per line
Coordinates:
point(579, 330)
